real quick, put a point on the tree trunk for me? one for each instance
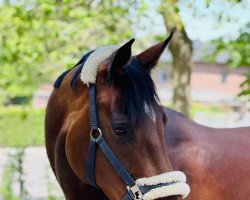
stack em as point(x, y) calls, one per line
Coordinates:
point(181, 49)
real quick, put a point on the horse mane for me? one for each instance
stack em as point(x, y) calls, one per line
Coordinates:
point(138, 92)
point(75, 75)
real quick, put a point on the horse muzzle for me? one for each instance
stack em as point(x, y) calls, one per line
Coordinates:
point(163, 185)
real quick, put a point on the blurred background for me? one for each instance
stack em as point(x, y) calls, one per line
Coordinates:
point(205, 73)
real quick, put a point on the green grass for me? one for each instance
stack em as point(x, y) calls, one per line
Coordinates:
point(212, 109)
point(21, 127)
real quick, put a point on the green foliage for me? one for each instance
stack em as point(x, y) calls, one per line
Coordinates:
point(238, 51)
point(40, 38)
point(246, 86)
point(21, 127)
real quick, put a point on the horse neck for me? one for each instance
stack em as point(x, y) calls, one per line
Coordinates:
point(179, 128)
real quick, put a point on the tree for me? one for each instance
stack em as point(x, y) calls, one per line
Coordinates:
point(181, 49)
point(40, 38)
point(181, 45)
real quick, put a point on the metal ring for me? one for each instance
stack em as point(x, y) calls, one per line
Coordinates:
point(95, 138)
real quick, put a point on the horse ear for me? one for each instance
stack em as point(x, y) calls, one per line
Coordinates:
point(121, 57)
point(150, 57)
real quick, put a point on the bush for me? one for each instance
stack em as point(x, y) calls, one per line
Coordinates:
point(21, 126)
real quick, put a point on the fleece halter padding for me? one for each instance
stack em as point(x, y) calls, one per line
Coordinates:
point(176, 185)
point(89, 71)
point(175, 176)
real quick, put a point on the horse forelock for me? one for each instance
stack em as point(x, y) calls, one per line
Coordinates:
point(138, 92)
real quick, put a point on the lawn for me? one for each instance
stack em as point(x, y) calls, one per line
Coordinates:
point(21, 127)
point(196, 107)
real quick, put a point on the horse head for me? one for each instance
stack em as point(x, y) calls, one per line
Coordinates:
point(130, 120)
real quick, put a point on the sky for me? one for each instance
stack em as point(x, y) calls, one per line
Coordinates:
point(201, 22)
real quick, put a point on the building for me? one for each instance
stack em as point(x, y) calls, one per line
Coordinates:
point(210, 83)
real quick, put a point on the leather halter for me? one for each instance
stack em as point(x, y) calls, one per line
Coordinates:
point(133, 190)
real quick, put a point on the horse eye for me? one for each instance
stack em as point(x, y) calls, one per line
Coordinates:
point(120, 131)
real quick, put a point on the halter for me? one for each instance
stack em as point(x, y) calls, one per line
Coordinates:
point(144, 188)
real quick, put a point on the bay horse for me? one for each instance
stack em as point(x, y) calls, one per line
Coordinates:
point(108, 137)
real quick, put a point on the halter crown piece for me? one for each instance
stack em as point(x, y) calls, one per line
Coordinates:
point(163, 185)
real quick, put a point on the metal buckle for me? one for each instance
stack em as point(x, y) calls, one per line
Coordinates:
point(95, 138)
point(136, 191)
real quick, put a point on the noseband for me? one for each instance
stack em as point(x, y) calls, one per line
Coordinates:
point(144, 188)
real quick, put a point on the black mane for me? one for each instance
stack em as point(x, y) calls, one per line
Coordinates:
point(136, 84)
point(75, 75)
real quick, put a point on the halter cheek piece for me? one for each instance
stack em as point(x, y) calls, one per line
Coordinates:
point(169, 184)
point(133, 190)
